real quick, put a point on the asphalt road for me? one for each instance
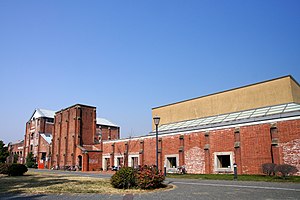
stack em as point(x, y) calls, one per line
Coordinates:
point(185, 189)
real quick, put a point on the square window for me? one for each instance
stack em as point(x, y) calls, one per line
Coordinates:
point(224, 161)
point(171, 162)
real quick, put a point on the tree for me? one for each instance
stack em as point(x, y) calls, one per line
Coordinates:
point(16, 158)
point(3, 152)
point(30, 161)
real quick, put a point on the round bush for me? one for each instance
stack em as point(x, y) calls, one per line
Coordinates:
point(124, 178)
point(268, 168)
point(16, 170)
point(286, 170)
point(149, 178)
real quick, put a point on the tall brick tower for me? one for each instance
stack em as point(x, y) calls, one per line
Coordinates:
point(74, 138)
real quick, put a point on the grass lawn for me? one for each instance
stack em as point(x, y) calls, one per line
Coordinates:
point(240, 177)
point(34, 182)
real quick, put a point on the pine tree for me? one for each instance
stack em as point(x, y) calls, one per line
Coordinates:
point(30, 161)
point(3, 152)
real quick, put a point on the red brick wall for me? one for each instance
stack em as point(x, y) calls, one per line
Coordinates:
point(16, 148)
point(108, 133)
point(194, 152)
point(37, 126)
point(149, 152)
point(44, 126)
point(26, 141)
point(94, 161)
point(88, 124)
point(249, 146)
point(43, 146)
point(255, 147)
point(74, 126)
point(289, 142)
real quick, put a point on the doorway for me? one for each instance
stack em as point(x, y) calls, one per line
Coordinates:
point(80, 162)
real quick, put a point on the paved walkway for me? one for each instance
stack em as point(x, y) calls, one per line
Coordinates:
point(185, 189)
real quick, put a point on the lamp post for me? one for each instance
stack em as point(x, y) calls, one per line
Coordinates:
point(235, 171)
point(156, 120)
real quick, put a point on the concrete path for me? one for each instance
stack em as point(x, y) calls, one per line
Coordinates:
point(185, 189)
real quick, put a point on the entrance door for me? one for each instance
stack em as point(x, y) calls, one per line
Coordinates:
point(80, 162)
point(107, 164)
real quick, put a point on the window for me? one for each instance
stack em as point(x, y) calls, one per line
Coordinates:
point(31, 147)
point(107, 164)
point(171, 162)
point(120, 161)
point(43, 156)
point(223, 161)
point(134, 161)
point(50, 120)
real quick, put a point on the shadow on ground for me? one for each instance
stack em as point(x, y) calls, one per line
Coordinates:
point(14, 196)
point(21, 184)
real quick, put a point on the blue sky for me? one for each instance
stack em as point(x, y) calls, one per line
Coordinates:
point(126, 57)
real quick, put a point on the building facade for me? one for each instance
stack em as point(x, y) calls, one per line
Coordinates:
point(38, 136)
point(78, 137)
point(16, 152)
point(248, 126)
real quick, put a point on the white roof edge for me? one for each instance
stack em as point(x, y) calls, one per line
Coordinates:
point(47, 137)
point(40, 112)
point(103, 121)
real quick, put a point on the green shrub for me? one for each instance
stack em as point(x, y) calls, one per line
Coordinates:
point(4, 168)
point(285, 170)
point(144, 178)
point(30, 161)
point(16, 157)
point(149, 178)
point(17, 170)
point(124, 178)
point(268, 168)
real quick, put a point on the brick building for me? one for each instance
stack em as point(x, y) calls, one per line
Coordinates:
point(50, 137)
point(38, 136)
point(249, 126)
point(107, 130)
point(15, 150)
point(78, 136)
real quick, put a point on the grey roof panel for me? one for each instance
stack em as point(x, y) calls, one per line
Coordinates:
point(269, 112)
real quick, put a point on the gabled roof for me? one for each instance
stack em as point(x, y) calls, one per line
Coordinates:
point(102, 121)
point(17, 142)
point(47, 137)
point(42, 113)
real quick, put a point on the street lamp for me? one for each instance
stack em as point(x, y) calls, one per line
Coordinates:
point(156, 120)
